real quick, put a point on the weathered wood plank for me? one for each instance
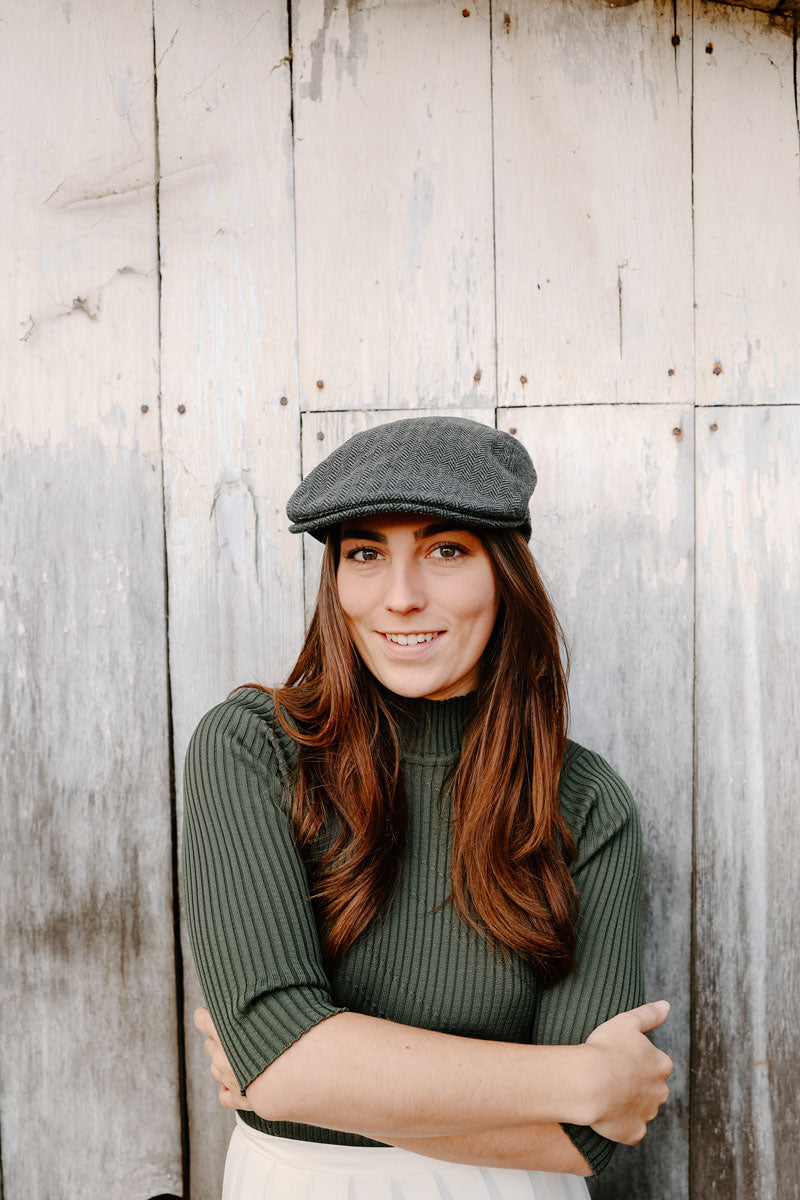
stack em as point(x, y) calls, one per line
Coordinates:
point(231, 424)
point(88, 1037)
point(613, 533)
point(593, 200)
point(322, 432)
point(393, 158)
point(746, 1106)
point(747, 209)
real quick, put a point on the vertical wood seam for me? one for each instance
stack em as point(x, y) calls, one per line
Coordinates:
point(180, 1030)
point(794, 83)
point(2, 1187)
point(691, 1089)
point(297, 386)
point(297, 383)
point(494, 209)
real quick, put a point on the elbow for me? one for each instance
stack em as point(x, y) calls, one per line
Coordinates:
point(281, 1093)
point(293, 1086)
point(272, 1103)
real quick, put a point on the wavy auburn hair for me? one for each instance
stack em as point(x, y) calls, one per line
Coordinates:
point(511, 846)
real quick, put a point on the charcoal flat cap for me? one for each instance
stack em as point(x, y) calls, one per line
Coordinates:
point(447, 466)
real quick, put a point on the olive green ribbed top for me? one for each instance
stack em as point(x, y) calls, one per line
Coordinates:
point(255, 941)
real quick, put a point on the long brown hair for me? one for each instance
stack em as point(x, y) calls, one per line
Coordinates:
point(511, 846)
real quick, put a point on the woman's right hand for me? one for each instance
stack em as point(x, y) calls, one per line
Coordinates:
point(629, 1072)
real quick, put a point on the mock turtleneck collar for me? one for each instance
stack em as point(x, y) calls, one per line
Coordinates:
point(432, 728)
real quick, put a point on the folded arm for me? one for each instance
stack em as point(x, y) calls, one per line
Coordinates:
point(396, 1083)
point(301, 1058)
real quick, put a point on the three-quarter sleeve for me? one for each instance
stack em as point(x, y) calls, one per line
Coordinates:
point(251, 923)
point(608, 978)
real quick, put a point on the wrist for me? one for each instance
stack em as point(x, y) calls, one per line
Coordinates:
point(588, 1086)
point(563, 1085)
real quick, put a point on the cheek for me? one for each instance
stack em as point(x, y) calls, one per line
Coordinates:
point(352, 597)
point(477, 605)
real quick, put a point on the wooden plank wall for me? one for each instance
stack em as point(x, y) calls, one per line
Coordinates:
point(234, 235)
point(90, 1102)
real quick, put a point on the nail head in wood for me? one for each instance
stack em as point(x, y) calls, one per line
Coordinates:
point(181, 409)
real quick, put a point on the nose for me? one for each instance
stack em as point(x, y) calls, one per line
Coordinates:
point(404, 589)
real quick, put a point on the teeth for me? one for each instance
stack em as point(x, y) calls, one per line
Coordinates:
point(409, 639)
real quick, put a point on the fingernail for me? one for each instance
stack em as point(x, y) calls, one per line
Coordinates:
point(663, 1005)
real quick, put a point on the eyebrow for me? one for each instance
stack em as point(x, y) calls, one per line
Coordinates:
point(372, 535)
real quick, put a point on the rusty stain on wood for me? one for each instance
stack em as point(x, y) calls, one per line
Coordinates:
point(774, 8)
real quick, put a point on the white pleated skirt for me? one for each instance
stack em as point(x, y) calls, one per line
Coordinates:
point(262, 1167)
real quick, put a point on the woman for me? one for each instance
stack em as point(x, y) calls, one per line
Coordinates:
point(413, 903)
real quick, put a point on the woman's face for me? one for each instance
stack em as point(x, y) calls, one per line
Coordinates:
point(420, 600)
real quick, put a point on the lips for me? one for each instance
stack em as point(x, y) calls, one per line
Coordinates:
point(412, 640)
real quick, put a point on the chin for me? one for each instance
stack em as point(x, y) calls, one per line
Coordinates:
point(408, 688)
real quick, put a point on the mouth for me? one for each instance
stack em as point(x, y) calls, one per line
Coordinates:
point(422, 638)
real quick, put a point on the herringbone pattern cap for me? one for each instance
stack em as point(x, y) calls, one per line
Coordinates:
point(447, 466)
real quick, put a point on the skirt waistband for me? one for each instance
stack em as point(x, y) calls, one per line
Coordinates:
point(349, 1160)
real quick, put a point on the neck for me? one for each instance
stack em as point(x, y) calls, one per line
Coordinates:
point(430, 727)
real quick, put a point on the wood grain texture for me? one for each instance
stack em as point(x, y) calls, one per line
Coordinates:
point(89, 1102)
point(322, 432)
point(592, 131)
point(395, 287)
point(747, 208)
point(612, 532)
point(229, 362)
point(746, 1107)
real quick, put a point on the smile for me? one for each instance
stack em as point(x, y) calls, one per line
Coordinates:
point(410, 639)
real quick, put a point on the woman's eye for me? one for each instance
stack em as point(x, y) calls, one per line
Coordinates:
point(448, 551)
point(363, 554)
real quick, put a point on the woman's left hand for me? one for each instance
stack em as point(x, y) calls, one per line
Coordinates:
point(221, 1071)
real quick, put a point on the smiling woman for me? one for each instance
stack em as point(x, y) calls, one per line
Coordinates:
point(419, 608)
point(413, 902)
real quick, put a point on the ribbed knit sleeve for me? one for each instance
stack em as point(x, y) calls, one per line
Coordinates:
point(608, 979)
point(251, 925)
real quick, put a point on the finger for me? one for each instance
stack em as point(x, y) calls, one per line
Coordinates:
point(667, 1066)
point(210, 1046)
point(642, 1131)
point(202, 1020)
point(224, 1072)
point(648, 1016)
